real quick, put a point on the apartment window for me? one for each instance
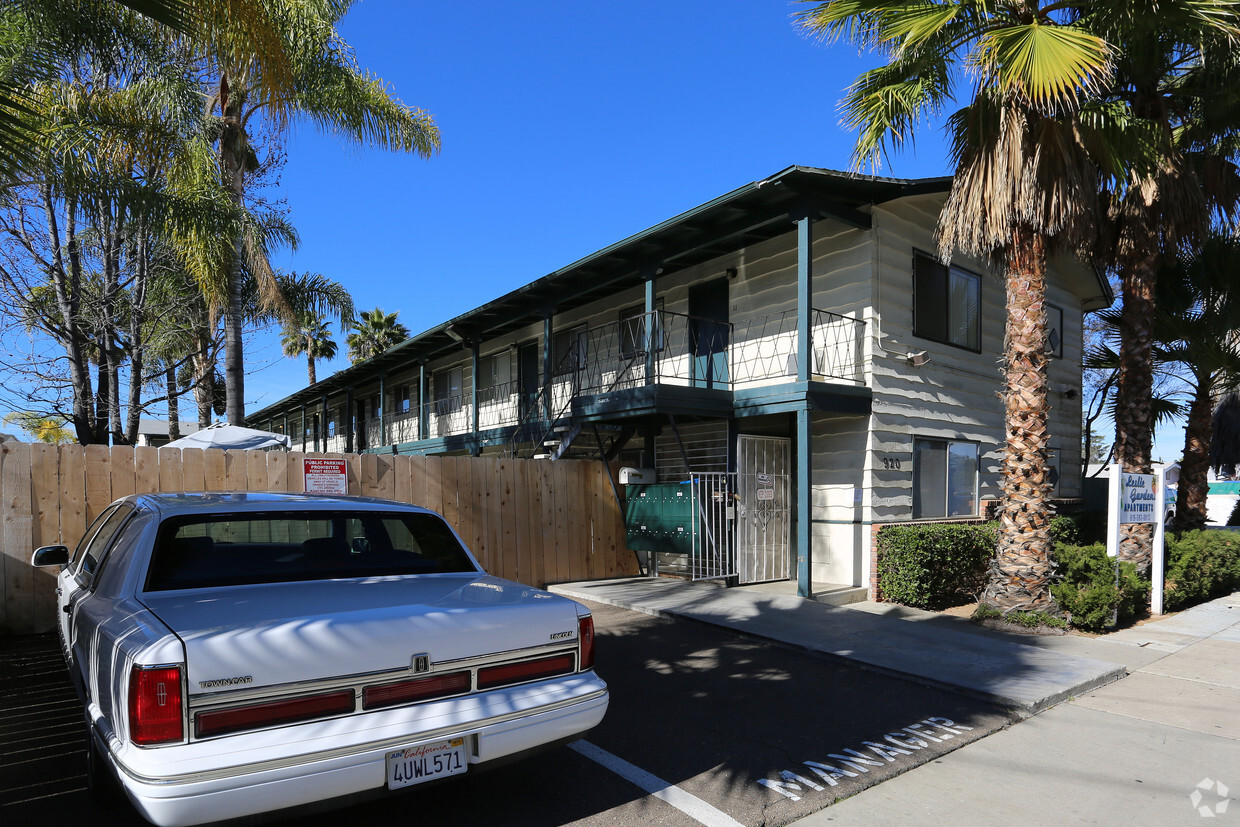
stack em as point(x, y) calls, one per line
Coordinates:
point(404, 399)
point(495, 377)
point(448, 391)
point(1054, 331)
point(944, 478)
point(569, 350)
point(947, 303)
point(633, 329)
point(331, 424)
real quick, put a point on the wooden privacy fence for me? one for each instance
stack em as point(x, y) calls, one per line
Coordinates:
point(533, 521)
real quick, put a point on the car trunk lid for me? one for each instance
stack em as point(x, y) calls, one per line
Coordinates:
point(285, 633)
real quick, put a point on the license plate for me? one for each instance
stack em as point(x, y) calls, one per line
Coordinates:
point(414, 765)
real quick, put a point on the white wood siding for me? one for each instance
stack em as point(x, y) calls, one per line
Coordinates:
point(839, 530)
point(956, 394)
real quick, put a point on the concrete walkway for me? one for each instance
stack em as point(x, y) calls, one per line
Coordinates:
point(996, 667)
point(1160, 747)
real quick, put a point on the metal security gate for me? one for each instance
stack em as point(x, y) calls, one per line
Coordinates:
point(763, 511)
point(714, 549)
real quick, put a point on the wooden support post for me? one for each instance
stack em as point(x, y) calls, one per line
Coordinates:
point(803, 512)
point(382, 419)
point(423, 417)
point(349, 419)
point(548, 363)
point(805, 293)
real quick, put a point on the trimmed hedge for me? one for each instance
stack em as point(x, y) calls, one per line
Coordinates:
point(1201, 565)
point(934, 566)
point(939, 565)
point(1081, 529)
point(1086, 589)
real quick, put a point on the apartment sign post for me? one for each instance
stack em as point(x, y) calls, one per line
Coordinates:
point(1140, 498)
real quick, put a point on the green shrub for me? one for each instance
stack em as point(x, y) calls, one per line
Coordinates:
point(1201, 565)
point(934, 566)
point(1081, 529)
point(1086, 589)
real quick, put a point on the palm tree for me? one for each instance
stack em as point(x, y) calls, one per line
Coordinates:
point(312, 298)
point(1195, 328)
point(374, 333)
point(49, 429)
point(312, 336)
point(41, 36)
point(1225, 436)
point(1024, 182)
point(327, 89)
point(1179, 74)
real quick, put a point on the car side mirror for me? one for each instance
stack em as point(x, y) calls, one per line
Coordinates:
point(50, 556)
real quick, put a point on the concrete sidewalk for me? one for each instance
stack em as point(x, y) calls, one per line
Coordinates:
point(1161, 746)
point(996, 667)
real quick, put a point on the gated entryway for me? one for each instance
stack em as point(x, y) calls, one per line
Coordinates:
point(763, 508)
point(714, 550)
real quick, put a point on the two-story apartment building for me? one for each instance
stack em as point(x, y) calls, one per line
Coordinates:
point(792, 353)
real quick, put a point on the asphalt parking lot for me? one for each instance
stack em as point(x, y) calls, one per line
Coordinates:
point(705, 726)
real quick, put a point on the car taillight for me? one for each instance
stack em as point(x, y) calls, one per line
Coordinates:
point(155, 709)
point(418, 689)
point(490, 677)
point(585, 639)
point(224, 721)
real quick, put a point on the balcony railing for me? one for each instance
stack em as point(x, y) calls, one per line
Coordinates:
point(655, 348)
point(765, 349)
point(677, 349)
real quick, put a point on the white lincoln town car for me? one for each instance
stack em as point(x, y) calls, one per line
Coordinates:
point(242, 653)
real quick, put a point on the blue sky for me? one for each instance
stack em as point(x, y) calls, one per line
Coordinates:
point(566, 126)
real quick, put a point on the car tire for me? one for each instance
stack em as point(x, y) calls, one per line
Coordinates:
point(100, 783)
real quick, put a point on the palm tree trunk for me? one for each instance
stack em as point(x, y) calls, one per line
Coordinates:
point(66, 282)
point(1135, 389)
point(204, 394)
point(1021, 572)
point(137, 347)
point(234, 358)
point(102, 392)
point(1190, 507)
point(232, 146)
point(174, 414)
point(310, 362)
point(110, 236)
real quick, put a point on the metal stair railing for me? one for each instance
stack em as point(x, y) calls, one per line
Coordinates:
point(531, 413)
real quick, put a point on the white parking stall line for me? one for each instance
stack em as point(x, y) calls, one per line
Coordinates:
point(687, 803)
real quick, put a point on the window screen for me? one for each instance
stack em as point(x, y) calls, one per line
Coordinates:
point(944, 479)
point(947, 303)
point(1054, 331)
point(448, 397)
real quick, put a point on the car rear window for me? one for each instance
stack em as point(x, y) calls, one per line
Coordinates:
point(238, 549)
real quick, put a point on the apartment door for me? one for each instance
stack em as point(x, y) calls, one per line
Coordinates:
point(763, 508)
point(708, 333)
point(527, 375)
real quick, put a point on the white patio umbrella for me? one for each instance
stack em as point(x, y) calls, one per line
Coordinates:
point(232, 437)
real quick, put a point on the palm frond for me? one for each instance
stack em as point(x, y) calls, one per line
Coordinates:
point(1054, 67)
